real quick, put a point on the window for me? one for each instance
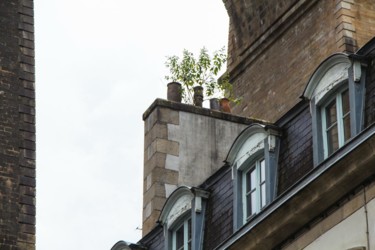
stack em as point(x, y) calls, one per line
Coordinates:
point(336, 95)
point(183, 219)
point(336, 122)
point(253, 157)
point(254, 195)
point(181, 238)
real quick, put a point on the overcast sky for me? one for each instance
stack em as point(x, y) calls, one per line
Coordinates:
point(99, 66)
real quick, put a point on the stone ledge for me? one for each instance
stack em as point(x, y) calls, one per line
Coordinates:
point(199, 111)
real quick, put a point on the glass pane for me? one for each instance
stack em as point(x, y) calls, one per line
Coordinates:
point(189, 229)
point(345, 102)
point(331, 116)
point(253, 179)
point(332, 139)
point(253, 203)
point(262, 171)
point(180, 237)
point(248, 182)
point(346, 128)
point(263, 194)
point(248, 205)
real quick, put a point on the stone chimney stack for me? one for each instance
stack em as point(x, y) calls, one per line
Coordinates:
point(184, 145)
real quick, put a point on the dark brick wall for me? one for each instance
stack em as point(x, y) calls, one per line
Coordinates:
point(17, 125)
point(296, 153)
point(219, 214)
point(370, 94)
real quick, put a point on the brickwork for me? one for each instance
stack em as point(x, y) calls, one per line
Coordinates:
point(250, 20)
point(157, 148)
point(275, 59)
point(364, 21)
point(295, 158)
point(17, 125)
point(219, 215)
point(370, 94)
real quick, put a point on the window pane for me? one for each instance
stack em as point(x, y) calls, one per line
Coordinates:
point(189, 229)
point(253, 179)
point(345, 102)
point(331, 114)
point(332, 139)
point(262, 171)
point(253, 203)
point(263, 194)
point(180, 237)
point(248, 206)
point(248, 182)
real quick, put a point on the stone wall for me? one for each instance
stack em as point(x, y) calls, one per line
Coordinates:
point(275, 46)
point(350, 221)
point(184, 145)
point(17, 125)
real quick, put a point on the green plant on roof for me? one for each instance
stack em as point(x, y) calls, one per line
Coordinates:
point(203, 71)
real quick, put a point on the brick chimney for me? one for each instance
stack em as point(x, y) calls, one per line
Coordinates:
point(17, 125)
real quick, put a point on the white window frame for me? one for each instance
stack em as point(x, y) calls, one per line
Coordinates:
point(187, 240)
point(339, 121)
point(260, 197)
point(337, 72)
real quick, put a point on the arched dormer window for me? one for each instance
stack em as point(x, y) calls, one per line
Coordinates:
point(182, 218)
point(253, 157)
point(336, 95)
point(123, 245)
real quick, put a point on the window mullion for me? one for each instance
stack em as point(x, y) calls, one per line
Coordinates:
point(340, 122)
point(174, 240)
point(257, 185)
point(244, 196)
point(324, 130)
point(186, 234)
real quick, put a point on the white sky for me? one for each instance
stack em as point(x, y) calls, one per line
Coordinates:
point(99, 66)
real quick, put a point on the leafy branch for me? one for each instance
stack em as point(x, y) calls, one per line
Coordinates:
point(201, 71)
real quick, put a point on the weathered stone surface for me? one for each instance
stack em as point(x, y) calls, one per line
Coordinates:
point(184, 145)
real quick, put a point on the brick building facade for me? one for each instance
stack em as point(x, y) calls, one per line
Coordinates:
point(269, 40)
point(17, 125)
point(297, 171)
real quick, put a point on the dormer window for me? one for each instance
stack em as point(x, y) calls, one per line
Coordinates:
point(336, 94)
point(253, 158)
point(182, 218)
